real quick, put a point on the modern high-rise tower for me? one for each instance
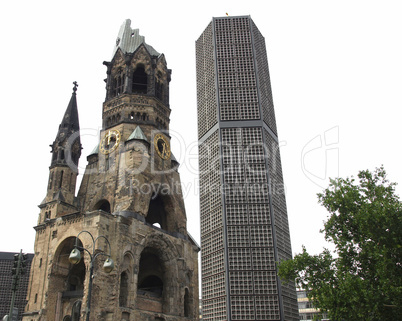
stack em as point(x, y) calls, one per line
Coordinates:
point(129, 206)
point(244, 223)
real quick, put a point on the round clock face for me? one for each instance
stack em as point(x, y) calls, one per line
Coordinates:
point(162, 146)
point(110, 141)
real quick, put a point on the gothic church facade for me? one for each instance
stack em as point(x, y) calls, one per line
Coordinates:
point(129, 205)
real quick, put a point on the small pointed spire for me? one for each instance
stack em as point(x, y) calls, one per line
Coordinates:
point(138, 134)
point(70, 122)
point(68, 133)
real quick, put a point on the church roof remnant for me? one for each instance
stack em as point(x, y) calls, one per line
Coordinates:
point(128, 40)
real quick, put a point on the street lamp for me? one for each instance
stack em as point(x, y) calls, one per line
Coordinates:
point(75, 258)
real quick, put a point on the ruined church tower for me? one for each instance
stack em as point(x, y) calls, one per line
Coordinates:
point(129, 206)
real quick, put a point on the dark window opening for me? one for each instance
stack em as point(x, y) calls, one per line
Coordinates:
point(140, 81)
point(157, 213)
point(159, 90)
point(123, 298)
point(117, 87)
point(50, 180)
point(186, 303)
point(76, 277)
point(102, 205)
point(61, 179)
point(151, 285)
point(76, 310)
point(150, 275)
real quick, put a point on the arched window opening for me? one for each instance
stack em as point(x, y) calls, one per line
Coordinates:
point(67, 278)
point(118, 89)
point(50, 180)
point(159, 90)
point(61, 179)
point(140, 81)
point(187, 308)
point(76, 310)
point(156, 213)
point(150, 275)
point(123, 298)
point(114, 87)
point(102, 205)
point(76, 152)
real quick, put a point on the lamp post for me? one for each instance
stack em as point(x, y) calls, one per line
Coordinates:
point(75, 258)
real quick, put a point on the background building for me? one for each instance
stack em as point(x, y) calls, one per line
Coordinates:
point(244, 225)
point(129, 204)
point(307, 311)
point(6, 264)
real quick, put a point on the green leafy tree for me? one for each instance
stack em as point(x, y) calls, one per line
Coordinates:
point(363, 279)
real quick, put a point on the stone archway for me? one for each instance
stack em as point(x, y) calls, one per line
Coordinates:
point(66, 281)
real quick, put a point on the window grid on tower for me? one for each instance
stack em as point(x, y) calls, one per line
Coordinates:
point(236, 214)
point(238, 236)
point(256, 173)
point(263, 258)
point(214, 286)
point(267, 307)
point(232, 154)
point(213, 264)
point(206, 94)
point(261, 235)
point(242, 307)
point(233, 173)
point(265, 282)
point(259, 214)
point(235, 193)
point(214, 310)
point(241, 282)
point(257, 193)
point(254, 153)
point(240, 259)
point(210, 241)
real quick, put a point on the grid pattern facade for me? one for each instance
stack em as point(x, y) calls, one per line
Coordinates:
point(206, 92)
point(237, 82)
point(6, 264)
point(244, 227)
point(213, 258)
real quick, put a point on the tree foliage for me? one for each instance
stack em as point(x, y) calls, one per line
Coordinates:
point(363, 279)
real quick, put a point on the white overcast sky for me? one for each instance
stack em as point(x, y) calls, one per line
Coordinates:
point(335, 69)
